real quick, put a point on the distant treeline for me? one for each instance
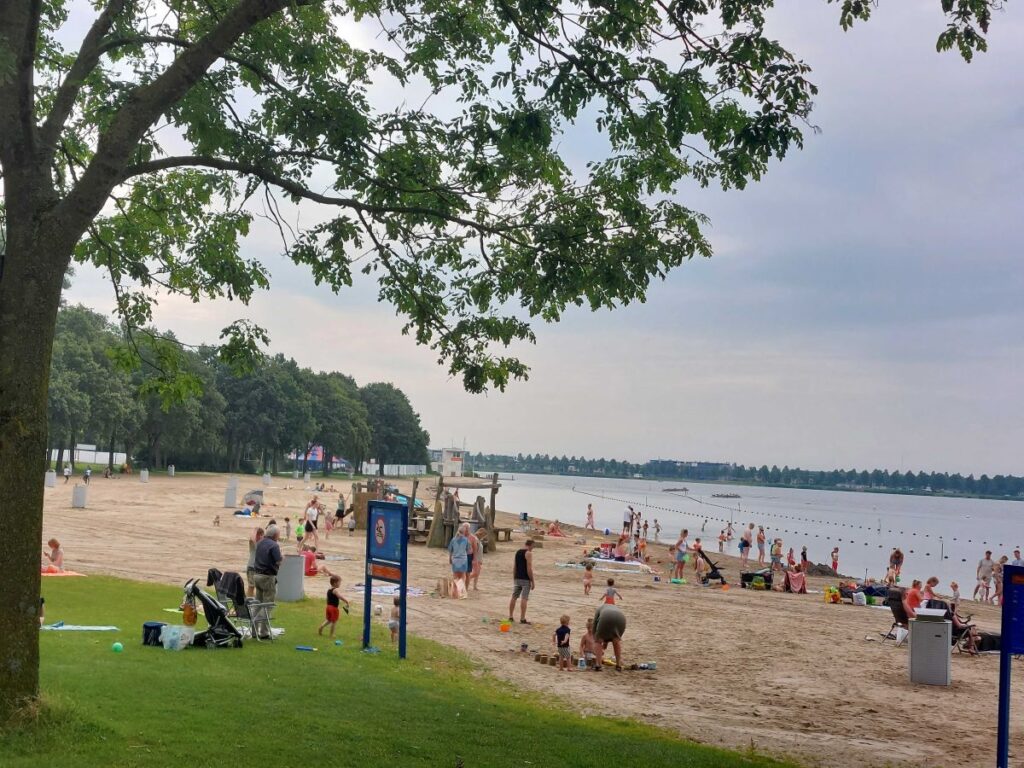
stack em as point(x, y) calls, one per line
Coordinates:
point(159, 404)
point(848, 479)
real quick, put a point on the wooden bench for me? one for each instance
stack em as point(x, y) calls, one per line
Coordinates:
point(503, 534)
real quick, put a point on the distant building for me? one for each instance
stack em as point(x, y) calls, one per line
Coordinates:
point(447, 462)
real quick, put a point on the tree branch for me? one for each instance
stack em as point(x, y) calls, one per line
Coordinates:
point(86, 61)
point(19, 34)
point(144, 106)
point(295, 188)
point(120, 42)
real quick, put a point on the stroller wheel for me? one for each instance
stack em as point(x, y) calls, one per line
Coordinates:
point(210, 642)
point(238, 642)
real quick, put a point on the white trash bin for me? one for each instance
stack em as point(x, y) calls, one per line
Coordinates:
point(144, 476)
point(170, 470)
point(79, 496)
point(266, 478)
point(51, 478)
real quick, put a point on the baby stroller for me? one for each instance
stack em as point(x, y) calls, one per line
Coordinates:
point(713, 572)
point(221, 631)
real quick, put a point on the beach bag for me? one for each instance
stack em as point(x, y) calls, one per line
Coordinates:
point(175, 638)
point(859, 598)
point(151, 632)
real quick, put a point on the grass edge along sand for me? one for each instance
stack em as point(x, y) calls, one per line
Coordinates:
point(150, 707)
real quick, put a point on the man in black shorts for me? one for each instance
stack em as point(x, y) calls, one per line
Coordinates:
point(522, 575)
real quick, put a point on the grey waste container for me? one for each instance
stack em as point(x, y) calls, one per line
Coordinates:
point(289, 579)
point(78, 496)
point(51, 478)
point(144, 476)
point(931, 643)
point(230, 497)
point(266, 478)
point(170, 470)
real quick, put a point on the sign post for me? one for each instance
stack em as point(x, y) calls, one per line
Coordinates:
point(1011, 643)
point(387, 559)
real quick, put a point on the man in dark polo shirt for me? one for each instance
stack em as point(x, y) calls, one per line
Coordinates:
point(266, 563)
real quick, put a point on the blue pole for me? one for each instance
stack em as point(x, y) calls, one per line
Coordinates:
point(368, 589)
point(1003, 734)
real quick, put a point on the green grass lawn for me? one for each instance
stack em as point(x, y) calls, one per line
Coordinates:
point(269, 704)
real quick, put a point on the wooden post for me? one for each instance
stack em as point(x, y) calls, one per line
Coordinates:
point(492, 540)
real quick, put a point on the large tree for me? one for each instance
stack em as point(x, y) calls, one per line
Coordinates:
point(145, 150)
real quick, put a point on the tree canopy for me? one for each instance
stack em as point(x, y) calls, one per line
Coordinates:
point(149, 148)
point(235, 422)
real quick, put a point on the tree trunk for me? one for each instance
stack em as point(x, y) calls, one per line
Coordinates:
point(74, 442)
point(30, 285)
point(60, 458)
point(276, 453)
point(325, 465)
point(110, 454)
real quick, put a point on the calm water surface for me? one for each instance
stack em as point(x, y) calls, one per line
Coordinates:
point(941, 537)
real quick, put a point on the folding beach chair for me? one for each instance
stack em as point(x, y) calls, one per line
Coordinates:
point(899, 615)
point(257, 616)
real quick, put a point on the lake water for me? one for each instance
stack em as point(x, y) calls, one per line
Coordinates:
point(942, 537)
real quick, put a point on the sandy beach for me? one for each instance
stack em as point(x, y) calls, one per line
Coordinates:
point(787, 675)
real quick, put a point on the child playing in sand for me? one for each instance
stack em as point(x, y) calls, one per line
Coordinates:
point(561, 640)
point(644, 534)
point(587, 643)
point(955, 602)
point(352, 524)
point(287, 529)
point(611, 593)
point(334, 600)
point(588, 577)
point(396, 615)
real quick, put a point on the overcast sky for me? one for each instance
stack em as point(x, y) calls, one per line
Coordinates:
point(865, 306)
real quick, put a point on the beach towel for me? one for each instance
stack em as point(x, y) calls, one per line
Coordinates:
point(796, 582)
point(60, 626)
point(392, 590)
point(62, 573)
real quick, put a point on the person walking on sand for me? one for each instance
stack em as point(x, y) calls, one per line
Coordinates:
point(522, 579)
point(835, 559)
point(760, 545)
point(590, 518)
point(67, 473)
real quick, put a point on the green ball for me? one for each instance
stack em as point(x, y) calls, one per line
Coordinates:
point(117, 647)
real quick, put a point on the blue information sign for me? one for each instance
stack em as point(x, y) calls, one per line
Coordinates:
point(387, 558)
point(1011, 642)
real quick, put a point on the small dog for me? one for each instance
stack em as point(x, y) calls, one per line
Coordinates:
point(216, 521)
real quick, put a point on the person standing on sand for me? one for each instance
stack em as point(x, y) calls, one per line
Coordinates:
point(997, 580)
point(896, 562)
point(804, 562)
point(746, 542)
point(721, 541)
point(657, 531)
point(312, 520)
point(1017, 558)
point(627, 520)
point(458, 558)
point(590, 518)
point(760, 545)
point(984, 574)
point(835, 559)
point(67, 473)
point(522, 579)
point(476, 558)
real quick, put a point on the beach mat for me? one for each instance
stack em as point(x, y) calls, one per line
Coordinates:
point(62, 627)
point(62, 573)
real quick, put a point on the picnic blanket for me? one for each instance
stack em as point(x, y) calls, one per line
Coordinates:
point(62, 573)
point(610, 566)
